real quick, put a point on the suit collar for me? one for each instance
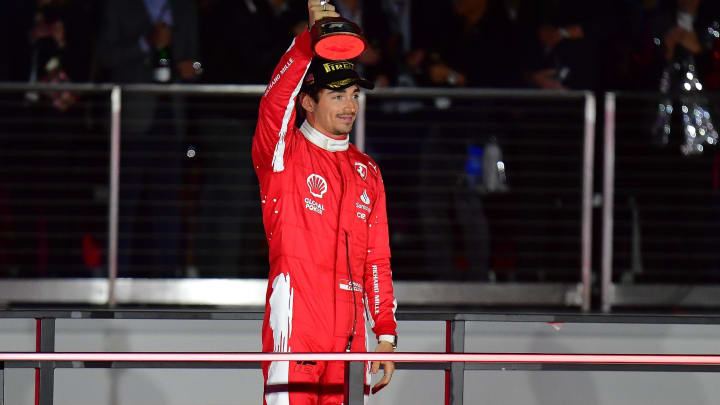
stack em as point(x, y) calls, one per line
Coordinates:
point(324, 141)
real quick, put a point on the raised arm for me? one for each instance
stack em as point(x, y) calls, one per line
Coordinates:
point(277, 106)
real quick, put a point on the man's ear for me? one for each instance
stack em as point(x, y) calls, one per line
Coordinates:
point(307, 102)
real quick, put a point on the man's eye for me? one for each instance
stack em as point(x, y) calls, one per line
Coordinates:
point(356, 96)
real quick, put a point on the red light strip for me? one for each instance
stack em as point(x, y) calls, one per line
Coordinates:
point(670, 359)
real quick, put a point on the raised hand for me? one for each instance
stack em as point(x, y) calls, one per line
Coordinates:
point(318, 9)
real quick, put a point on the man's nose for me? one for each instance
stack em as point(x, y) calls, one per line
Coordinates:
point(350, 106)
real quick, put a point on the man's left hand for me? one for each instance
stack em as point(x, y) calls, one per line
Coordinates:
point(388, 366)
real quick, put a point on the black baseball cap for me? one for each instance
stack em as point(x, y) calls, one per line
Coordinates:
point(333, 75)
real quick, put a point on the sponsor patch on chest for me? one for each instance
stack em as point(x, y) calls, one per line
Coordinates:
point(363, 206)
point(345, 285)
point(314, 206)
point(317, 185)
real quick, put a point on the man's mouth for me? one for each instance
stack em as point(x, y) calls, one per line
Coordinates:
point(346, 117)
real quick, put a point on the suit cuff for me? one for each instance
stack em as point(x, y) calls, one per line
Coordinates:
point(386, 338)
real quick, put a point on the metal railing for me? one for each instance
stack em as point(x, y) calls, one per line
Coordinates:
point(455, 361)
point(658, 226)
point(572, 291)
point(626, 289)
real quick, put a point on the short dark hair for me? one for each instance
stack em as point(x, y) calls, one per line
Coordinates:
point(312, 91)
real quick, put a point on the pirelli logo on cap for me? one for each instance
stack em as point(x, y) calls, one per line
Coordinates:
point(342, 65)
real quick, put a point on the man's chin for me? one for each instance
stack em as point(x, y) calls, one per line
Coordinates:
point(342, 130)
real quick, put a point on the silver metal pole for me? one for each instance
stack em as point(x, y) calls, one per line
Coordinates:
point(457, 369)
point(355, 380)
point(587, 196)
point(115, 99)
point(608, 202)
point(360, 123)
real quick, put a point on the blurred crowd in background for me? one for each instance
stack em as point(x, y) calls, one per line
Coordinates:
point(188, 193)
point(550, 44)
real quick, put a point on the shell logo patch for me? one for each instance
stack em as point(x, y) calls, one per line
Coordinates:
point(317, 185)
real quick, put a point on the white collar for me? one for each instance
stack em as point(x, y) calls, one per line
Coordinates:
point(324, 141)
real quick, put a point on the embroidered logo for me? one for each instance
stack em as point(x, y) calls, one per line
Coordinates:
point(350, 286)
point(364, 198)
point(361, 169)
point(317, 185)
point(366, 201)
point(314, 206)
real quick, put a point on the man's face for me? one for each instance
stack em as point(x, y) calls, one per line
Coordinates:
point(335, 111)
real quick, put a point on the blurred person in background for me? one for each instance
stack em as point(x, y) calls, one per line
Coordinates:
point(242, 40)
point(474, 44)
point(370, 16)
point(48, 41)
point(566, 43)
point(672, 32)
point(468, 45)
point(150, 41)
point(677, 55)
point(680, 55)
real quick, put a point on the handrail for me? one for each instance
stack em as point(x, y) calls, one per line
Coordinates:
point(258, 89)
point(401, 315)
point(453, 361)
point(535, 358)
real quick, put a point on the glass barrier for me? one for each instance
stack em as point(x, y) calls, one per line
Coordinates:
point(487, 188)
point(189, 202)
point(54, 155)
point(667, 195)
point(483, 186)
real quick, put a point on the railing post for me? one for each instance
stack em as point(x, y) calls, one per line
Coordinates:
point(113, 201)
point(2, 383)
point(457, 369)
point(608, 201)
point(46, 374)
point(587, 197)
point(359, 140)
point(355, 382)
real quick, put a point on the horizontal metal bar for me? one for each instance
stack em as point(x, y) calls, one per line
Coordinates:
point(79, 87)
point(415, 366)
point(534, 358)
point(257, 90)
point(402, 315)
point(423, 92)
point(193, 364)
point(590, 367)
point(251, 292)
point(197, 89)
point(665, 295)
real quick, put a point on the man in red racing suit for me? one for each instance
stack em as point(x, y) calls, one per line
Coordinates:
point(323, 204)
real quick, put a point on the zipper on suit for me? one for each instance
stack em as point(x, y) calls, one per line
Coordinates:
point(352, 291)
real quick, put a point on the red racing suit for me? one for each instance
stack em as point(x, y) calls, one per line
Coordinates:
point(323, 204)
